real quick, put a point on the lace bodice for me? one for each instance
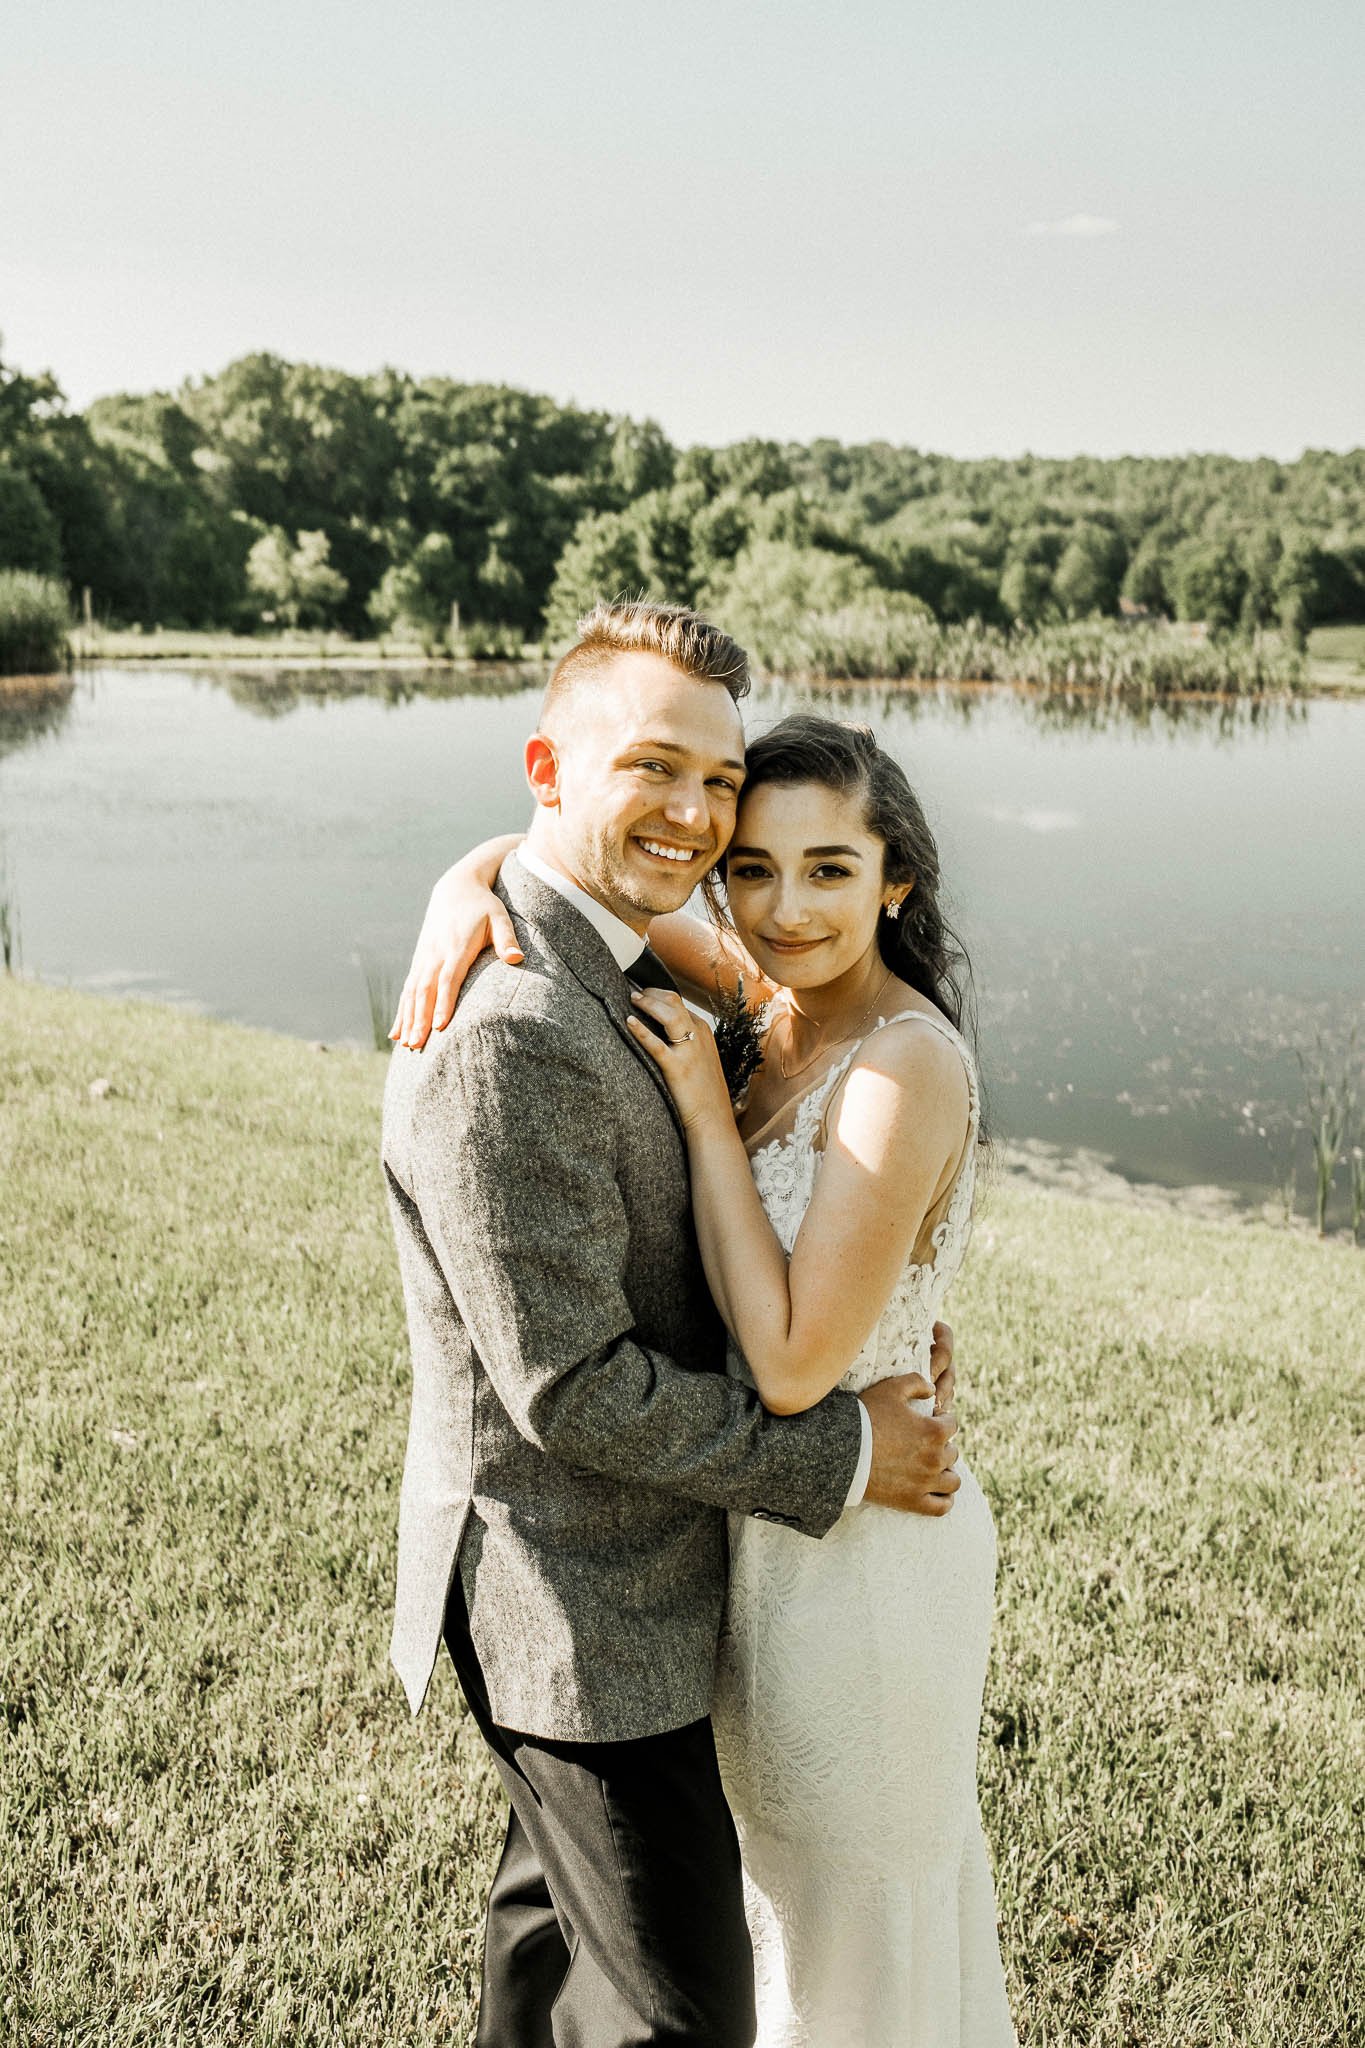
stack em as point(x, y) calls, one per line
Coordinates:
point(784, 1173)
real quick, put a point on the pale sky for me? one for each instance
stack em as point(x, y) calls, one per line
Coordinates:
point(980, 227)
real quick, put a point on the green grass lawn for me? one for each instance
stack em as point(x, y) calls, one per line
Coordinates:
point(221, 1824)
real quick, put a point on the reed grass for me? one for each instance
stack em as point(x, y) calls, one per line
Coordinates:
point(296, 647)
point(11, 952)
point(35, 624)
point(1330, 1092)
point(11, 949)
point(1136, 663)
point(383, 987)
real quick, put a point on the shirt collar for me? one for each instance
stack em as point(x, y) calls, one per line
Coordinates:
point(624, 945)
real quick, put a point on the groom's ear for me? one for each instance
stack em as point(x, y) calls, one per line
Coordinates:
point(542, 770)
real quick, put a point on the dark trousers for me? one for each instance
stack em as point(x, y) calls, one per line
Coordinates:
point(616, 1915)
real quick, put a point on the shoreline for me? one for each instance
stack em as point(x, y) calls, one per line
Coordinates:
point(1080, 1173)
point(1085, 1174)
point(1328, 689)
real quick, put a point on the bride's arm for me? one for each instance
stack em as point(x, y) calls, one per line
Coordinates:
point(705, 961)
point(896, 1142)
point(463, 917)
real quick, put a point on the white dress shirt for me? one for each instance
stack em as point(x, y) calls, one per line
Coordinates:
point(625, 947)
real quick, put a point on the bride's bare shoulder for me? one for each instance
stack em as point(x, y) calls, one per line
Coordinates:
point(908, 1077)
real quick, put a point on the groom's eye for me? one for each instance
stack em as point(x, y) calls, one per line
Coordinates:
point(724, 782)
point(662, 766)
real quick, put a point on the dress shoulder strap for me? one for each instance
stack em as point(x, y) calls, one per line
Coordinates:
point(936, 1023)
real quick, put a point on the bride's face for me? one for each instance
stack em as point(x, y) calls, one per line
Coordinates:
point(804, 882)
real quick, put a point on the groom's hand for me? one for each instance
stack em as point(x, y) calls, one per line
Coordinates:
point(913, 1455)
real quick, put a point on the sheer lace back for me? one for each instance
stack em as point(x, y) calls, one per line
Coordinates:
point(785, 1171)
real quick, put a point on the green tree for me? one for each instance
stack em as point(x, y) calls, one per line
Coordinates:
point(1026, 591)
point(1144, 581)
point(1087, 577)
point(29, 536)
point(414, 597)
point(601, 561)
point(298, 582)
point(1295, 589)
point(1209, 583)
point(771, 583)
point(642, 459)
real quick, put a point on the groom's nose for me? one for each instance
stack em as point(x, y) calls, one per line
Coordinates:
point(687, 804)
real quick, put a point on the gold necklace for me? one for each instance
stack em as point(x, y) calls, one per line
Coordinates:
point(789, 1074)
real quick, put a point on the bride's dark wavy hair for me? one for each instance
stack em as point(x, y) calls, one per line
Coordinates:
point(919, 946)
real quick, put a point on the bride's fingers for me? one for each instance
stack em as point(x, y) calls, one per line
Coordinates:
point(655, 1046)
point(447, 988)
point(670, 1009)
point(506, 944)
point(423, 1005)
point(400, 1022)
point(449, 979)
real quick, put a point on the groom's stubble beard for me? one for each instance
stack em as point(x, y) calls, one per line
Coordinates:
point(602, 866)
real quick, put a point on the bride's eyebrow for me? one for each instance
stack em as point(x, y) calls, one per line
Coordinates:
point(811, 852)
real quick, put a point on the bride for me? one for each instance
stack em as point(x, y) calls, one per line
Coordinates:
point(833, 1207)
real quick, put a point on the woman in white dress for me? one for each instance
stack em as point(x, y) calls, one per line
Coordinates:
point(833, 1207)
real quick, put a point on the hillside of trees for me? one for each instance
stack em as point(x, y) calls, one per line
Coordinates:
point(284, 493)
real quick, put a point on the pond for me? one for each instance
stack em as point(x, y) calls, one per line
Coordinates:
point(1163, 912)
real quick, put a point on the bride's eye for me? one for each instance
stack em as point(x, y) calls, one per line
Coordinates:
point(830, 871)
point(748, 871)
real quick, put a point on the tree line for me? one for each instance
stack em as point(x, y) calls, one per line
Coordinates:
point(282, 493)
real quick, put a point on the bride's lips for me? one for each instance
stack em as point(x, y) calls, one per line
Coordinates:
point(790, 945)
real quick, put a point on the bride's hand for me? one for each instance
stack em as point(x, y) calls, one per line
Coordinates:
point(687, 1057)
point(463, 918)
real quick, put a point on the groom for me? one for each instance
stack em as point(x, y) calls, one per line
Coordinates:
point(575, 1440)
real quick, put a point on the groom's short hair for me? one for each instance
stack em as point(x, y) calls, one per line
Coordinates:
point(635, 626)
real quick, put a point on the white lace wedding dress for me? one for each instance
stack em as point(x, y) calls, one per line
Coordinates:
point(848, 1705)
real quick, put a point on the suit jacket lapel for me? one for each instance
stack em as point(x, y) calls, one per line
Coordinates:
point(583, 951)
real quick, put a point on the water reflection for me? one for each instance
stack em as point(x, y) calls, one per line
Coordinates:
point(270, 692)
point(32, 707)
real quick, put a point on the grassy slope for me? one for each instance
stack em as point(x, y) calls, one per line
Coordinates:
point(227, 1828)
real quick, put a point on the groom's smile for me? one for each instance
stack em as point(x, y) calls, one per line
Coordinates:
point(678, 854)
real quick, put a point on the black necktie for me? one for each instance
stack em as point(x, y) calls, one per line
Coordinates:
point(649, 972)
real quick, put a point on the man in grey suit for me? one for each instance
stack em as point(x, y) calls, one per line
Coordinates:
point(575, 1440)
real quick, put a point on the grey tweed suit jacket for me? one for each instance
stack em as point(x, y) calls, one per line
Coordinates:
point(575, 1440)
